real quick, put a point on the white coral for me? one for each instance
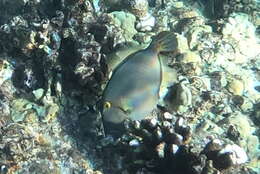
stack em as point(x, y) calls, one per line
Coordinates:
point(242, 30)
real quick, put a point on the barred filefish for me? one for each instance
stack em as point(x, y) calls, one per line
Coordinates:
point(133, 90)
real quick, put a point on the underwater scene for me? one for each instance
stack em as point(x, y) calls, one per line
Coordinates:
point(129, 86)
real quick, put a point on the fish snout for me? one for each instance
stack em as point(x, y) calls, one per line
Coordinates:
point(114, 114)
point(113, 121)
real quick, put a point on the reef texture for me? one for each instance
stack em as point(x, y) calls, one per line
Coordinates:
point(219, 9)
point(54, 67)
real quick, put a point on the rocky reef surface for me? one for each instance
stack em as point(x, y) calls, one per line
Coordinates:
point(55, 60)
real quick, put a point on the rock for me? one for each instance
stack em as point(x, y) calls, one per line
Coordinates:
point(146, 23)
point(247, 139)
point(126, 21)
point(182, 44)
point(179, 97)
point(184, 96)
point(43, 140)
point(211, 148)
point(245, 129)
point(234, 154)
point(210, 128)
point(31, 117)
point(252, 144)
point(178, 4)
point(233, 133)
point(256, 113)
point(224, 156)
point(209, 169)
point(167, 116)
point(252, 82)
point(238, 24)
point(158, 134)
point(160, 150)
point(191, 57)
point(19, 109)
point(139, 7)
point(195, 33)
point(189, 14)
point(240, 29)
point(6, 71)
point(38, 93)
point(173, 149)
point(51, 113)
point(134, 143)
point(247, 105)
point(236, 87)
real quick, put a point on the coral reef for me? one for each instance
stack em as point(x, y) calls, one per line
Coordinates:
point(219, 9)
point(155, 144)
point(47, 60)
point(54, 65)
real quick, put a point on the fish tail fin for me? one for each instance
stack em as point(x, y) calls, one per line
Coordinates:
point(165, 41)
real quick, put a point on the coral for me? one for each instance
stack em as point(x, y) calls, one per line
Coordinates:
point(53, 68)
point(220, 9)
point(236, 87)
point(224, 156)
point(146, 23)
point(125, 21)
point(179, 96)
point(45, 47)
point(139, 7)
point(153, 143)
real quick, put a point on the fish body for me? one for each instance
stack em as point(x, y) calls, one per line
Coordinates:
point(133, 90)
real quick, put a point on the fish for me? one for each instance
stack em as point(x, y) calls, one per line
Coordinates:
point(133, 89)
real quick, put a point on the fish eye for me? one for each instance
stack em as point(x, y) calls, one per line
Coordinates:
point(107, 105)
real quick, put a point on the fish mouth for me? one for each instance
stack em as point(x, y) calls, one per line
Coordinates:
point(115, 115)
point(113, 121)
